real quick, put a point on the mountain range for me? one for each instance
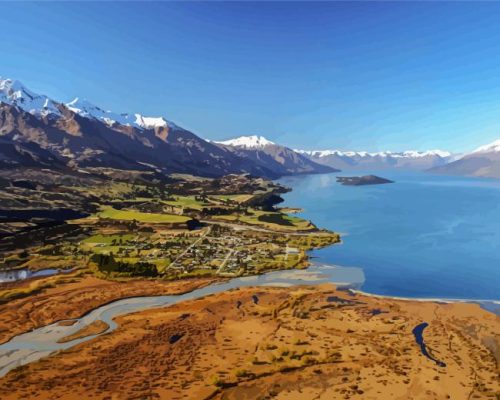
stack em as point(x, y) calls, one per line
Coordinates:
point(363, 160)
point(37, 131)
point(482, 162)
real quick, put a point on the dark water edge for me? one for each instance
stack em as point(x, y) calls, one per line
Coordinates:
point(418, 332)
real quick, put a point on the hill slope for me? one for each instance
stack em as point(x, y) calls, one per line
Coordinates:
point(483, 162)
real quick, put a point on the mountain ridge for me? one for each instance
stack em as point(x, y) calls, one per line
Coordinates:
point(36, 129)
point(482, 162)
point(80, 134)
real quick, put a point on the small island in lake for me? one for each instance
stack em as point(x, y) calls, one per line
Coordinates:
point(362, 180)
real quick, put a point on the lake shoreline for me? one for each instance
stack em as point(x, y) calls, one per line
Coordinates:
point(481, 302)
point(417, 238)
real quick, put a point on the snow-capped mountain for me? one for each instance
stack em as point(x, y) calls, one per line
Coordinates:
point(415, 160)
point(89, 110)
point(403, 154)
point(248, 142)
point(271, 155)
point(484, 162)
point(38, 131)
point(493, 147)
point(16, 94)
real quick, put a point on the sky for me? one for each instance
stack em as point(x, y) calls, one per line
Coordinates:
point(348, 75)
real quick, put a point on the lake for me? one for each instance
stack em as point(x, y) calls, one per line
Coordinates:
point(423, 236)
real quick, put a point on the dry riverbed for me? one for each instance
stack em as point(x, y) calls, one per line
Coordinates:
point(73, 296)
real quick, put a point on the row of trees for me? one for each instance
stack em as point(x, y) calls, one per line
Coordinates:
point(107, 264)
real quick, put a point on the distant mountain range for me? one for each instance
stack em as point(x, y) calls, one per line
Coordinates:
point(37, 131)
point(362, 160)
point(482, 162)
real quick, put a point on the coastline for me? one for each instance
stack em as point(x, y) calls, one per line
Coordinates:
point(481, 303)
point(490, 305)
point(431, 299)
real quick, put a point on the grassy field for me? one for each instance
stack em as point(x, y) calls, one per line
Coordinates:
point(128, 215)
point(238, 198)
point(186, 202)
point(108, 239)
point(115, 189)
point(276, 221)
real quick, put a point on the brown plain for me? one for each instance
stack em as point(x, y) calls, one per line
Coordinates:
point(285, 343)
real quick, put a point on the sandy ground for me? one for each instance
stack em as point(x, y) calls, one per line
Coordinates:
point(279, 343)
point(75, 297)
point(93, 328)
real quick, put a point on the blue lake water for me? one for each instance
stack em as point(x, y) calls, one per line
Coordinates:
point(423, 236)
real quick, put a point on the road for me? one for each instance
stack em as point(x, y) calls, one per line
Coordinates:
point(172, 264)
point(230, 252)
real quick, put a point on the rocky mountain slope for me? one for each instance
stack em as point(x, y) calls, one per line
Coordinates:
point(38, 131)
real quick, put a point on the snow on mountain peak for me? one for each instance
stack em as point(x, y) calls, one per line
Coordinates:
point(85, 108)
point(248, 142)
point(404, 154)
point(493, 147)
point(16, 94)
point(418, 154)
point(89, 110)
point(151, 122)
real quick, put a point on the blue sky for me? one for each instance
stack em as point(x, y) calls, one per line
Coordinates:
point(363, 76)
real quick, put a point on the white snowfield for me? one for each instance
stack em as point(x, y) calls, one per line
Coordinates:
point(248, 142)
point(89, 110)
point(15, 93)
point(493, 147)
